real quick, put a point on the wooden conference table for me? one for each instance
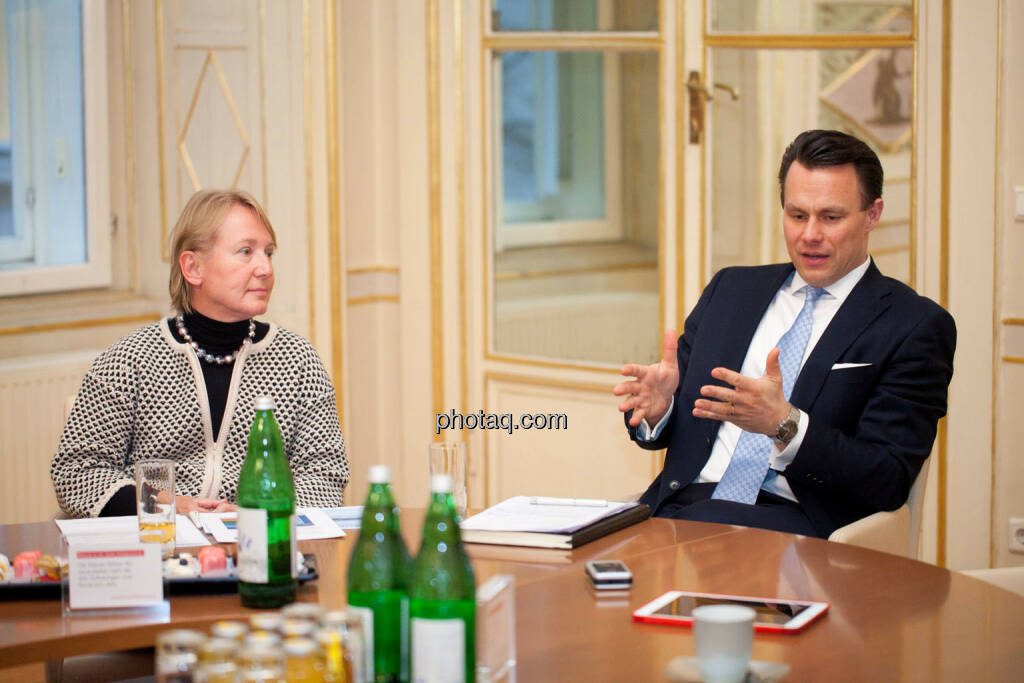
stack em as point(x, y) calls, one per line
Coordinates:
point(891, 618)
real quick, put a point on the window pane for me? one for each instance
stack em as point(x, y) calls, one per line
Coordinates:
point(809, 16)
point(866, 93)
point(576, 205)
point(575, 15)
point(552, 131)
point(42, 184)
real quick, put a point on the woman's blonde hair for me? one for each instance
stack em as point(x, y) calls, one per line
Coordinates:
point(196, 230)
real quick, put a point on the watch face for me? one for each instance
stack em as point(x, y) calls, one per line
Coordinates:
point(788, 427)
point(787, 430)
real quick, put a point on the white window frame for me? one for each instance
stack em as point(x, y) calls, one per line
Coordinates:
point(95, 272)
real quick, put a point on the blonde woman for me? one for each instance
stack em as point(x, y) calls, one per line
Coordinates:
point(183, 388)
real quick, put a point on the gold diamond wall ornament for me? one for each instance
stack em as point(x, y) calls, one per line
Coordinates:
point(208, 63)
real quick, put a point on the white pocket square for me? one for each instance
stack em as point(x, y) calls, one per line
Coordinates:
point(846, 366)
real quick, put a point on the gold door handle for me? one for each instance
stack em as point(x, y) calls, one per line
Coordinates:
point(697, 87)
point(700, 94)
point(734, 92)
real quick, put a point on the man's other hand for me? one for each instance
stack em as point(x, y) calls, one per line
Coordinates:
point(754, 404)
point(650, 394)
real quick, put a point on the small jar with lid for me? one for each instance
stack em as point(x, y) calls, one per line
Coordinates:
point(260, 663)
point(231, 630)
point(297, 628)
point(301, 661)
point(262, 638)
point(217, 660)
point(266, 621)
point(357, 657)
point(177, 655)
point(332, 657)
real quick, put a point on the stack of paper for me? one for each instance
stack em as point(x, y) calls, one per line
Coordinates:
point(550, 522)
point(348, 517)
point(310, 524)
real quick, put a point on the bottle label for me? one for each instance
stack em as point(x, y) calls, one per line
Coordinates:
point(365, 614)
point(252, 545)
point(438, 650)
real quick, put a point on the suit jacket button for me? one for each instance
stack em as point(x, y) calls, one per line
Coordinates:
point(707, 440)
point(674, 485)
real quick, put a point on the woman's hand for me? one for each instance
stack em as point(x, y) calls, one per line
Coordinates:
point(186, 504)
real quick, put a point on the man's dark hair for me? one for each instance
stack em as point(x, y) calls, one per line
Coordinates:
point(819, 148)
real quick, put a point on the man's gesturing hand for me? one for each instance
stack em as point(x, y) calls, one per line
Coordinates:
point(650, 394)
point(754, 404)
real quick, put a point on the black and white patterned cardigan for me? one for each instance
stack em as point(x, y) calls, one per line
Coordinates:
point(145, 397)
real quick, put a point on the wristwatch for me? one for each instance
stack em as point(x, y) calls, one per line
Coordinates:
point(787, 428)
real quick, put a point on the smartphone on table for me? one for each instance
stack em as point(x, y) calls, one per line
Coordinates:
point(609, 574)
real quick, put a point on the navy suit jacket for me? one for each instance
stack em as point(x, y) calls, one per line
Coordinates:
point(871, 427)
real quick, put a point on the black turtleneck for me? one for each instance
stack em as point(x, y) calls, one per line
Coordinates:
point(219, 339)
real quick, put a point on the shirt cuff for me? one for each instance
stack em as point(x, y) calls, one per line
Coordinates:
point(644, 431)
point(780, 459)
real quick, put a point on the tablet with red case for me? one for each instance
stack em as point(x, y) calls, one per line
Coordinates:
point(773, 615)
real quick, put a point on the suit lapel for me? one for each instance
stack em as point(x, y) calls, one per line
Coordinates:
point(731, 327)
point(866, 302)
point(747, 310)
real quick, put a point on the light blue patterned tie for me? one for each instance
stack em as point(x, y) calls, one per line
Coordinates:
point(749, 464)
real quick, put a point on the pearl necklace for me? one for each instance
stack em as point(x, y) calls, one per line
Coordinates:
point(207, 356)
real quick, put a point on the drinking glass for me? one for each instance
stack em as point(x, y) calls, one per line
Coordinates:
point(450, 458)
point(154, 488)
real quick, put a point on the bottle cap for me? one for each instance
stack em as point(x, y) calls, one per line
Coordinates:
point(264, 403)
point(380, 474)
point(440, 483)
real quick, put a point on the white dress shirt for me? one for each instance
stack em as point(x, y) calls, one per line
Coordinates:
point(777, 320)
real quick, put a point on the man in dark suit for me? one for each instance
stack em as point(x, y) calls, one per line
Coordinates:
point(801, 396)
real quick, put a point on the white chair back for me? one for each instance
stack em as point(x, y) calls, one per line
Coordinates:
point(915, 501)
point(897, 532)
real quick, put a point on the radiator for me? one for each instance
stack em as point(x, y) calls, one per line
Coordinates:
point(34, 398)
point(606, 327)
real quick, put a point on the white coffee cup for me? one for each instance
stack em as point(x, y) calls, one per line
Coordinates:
point(725, 636)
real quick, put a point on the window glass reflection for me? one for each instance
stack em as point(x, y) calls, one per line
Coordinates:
point(809, 16)
point(574, 15)
point(576, 169)
point(42, 184)
point(553, 113)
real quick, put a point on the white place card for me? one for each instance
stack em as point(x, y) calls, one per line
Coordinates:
point(126, 528)
point(106, 575)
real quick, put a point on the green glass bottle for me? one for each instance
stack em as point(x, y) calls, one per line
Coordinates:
point(442, 595)
point(378, 577)
point(267, 567)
